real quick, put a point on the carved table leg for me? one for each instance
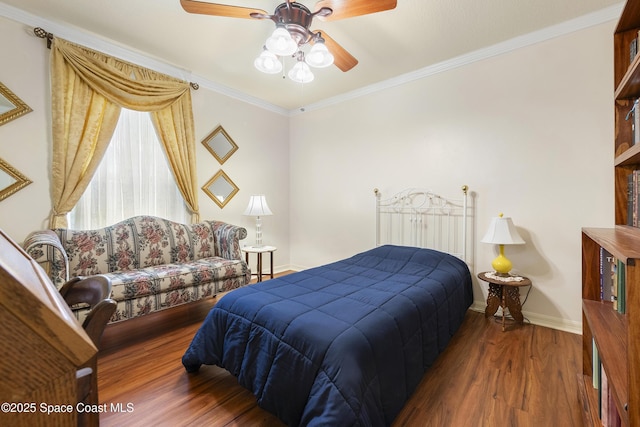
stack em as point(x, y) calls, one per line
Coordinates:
point(493, 299)
point(513, 303)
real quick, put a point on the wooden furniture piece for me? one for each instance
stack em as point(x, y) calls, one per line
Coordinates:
point(259, 250)
point(615, 335)
point(93, 291)
point(504, 292)
point(43, 345)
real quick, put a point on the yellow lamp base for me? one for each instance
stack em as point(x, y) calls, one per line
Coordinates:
point(501, 264)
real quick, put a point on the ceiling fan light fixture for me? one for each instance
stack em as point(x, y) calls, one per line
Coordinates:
point(301, 73)
point(319, 56)
point(293, 22)
point(281, 43)
point(268, 63)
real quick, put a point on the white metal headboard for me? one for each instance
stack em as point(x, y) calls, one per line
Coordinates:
point(421, 218)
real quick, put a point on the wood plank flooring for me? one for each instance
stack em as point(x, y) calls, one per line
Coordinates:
point(525, 376)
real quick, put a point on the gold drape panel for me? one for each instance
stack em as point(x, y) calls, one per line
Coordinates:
point(88, 90)
point(171, 127)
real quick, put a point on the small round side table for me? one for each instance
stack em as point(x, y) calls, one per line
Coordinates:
point(259, 250)
point(504, 292)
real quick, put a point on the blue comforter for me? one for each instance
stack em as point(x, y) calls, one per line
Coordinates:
point(342, 344)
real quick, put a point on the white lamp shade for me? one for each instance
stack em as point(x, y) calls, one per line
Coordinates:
point(268, 63)
point(281, 43)
point(258, 206)
point(319, 56)
point(502, 232)
point(301, 73)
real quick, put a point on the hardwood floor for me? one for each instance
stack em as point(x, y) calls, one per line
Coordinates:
point(525, 376)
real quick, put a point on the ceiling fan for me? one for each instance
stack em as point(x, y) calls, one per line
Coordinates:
point(293, 21)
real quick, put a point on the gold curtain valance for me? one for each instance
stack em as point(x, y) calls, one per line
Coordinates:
point(88, 90)
point(122, 83)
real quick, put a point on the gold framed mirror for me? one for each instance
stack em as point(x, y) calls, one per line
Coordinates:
point(10, 180)
point(220, 144)
point(11, 107)
point(220, 188)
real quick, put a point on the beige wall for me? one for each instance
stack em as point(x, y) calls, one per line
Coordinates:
point(24, 141)
point(259, 166)
point(530, 132)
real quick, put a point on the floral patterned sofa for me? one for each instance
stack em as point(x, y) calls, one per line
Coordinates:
point(152, 263)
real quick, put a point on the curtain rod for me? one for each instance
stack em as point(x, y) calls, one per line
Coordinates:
point(43, 34)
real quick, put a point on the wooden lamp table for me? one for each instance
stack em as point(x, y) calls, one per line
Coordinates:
point(259, 250)
point(504, 292)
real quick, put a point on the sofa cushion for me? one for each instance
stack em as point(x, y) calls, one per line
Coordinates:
point(167, 277)
point(140, 292)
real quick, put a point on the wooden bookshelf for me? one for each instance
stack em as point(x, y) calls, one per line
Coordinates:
point(610, 328)
point(616, 335)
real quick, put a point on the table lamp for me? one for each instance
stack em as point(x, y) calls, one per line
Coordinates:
point(502, 232)
point(258, 207)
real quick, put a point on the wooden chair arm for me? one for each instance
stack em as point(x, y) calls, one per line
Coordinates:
point(86, 290)
point(97, 319)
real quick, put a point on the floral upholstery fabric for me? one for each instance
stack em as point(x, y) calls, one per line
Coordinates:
point(152, 263)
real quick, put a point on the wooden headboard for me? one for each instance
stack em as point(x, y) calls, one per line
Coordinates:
point(422, 218)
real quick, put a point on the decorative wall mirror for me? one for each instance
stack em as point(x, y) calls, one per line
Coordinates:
point(11, 107)
point(220, 144)
point(10, 180)
point(220, 188)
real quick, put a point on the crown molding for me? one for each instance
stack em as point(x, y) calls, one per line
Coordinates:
point(93, 41)
point(241, 96)
point(125, 53)
point(580, 23)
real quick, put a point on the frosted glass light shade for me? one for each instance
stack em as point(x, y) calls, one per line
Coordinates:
point(301, 73)
point(281, 43)
point(319, 56)
point(268, 63)
point(502, 232)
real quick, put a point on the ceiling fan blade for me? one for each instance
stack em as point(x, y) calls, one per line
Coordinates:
point(348, 8)
point(215, 9)
point(341, 58)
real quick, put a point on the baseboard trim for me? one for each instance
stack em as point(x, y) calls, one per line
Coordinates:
point(540, 319)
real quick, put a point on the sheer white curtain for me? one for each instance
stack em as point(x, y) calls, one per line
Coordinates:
point(133, 178)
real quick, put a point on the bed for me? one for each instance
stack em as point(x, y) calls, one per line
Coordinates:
point(346, 344)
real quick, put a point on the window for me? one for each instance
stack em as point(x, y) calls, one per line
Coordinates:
point(133, 178)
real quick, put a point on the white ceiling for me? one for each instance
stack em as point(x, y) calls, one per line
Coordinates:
point(415, 35)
